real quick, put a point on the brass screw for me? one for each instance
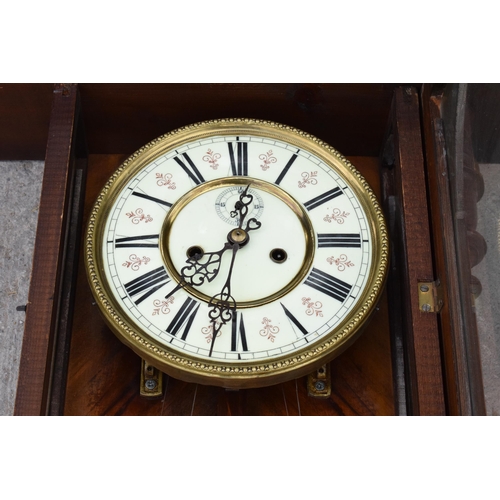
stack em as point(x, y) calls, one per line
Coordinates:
point(150, 384)
point(320, 386)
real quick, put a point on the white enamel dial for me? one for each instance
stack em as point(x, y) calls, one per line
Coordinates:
point(300, 276)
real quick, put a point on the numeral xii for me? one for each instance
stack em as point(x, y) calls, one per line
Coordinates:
point(238, 154)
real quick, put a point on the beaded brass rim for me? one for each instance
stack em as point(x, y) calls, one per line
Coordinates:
point(252, 373)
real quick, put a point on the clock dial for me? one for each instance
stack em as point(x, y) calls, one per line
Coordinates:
point(236, 253)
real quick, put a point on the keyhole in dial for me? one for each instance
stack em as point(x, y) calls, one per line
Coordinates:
point(278, 255)
point(195, 252)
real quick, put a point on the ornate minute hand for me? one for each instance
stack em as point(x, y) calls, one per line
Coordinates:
point(206, 266)
point(223, 304)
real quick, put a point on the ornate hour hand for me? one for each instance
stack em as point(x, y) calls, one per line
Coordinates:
point(203, 267)
point(200, 268)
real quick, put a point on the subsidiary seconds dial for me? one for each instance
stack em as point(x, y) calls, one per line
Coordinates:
point(225, 202)
point(237, 253)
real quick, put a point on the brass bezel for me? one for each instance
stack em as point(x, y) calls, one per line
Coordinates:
point(251, 373)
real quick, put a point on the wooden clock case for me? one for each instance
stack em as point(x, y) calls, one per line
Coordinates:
point(409, 360)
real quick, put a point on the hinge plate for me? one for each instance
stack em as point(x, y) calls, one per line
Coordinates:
point(151, 381)
point(319, 384)
point(430, 296)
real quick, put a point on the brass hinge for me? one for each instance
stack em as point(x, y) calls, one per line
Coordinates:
point(151, 381)
point(319, 384)
point(430, 296)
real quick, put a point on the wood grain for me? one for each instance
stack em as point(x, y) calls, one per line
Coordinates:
point(48, 260)
point(461, 359)
point(104, 374)
point(25, 111)
point(120, 118)
point(421, 335)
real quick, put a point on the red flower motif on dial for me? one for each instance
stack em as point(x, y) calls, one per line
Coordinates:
point(135, 262)
point(212, 158)
point(269, 330)
point(165, 180)
point(312, 307)
point(308, 178)
point(267, 158)
point(162, 306)
point(338, 216)
point(341, 262)
point(139, 216)
point(208, 331)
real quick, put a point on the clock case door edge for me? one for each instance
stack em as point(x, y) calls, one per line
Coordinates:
point(47, 334)
point(416, 351)
point(462, 370)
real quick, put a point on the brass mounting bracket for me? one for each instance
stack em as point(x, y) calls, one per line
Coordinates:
point(430, 296)
point(319, 384)
point(151, 381)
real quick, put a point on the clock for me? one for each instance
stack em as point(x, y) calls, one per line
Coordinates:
point(238, 253)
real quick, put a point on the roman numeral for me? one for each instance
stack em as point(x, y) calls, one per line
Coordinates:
point(152, 198)
point(190, 168)
point(239, 161)
point(238, 332)
point(186, 314)
point(287, 168)
point(340, 240)
point(294, 320)
point(328, 284)
point(323, 198)
point(138, 241)
point(147, 284)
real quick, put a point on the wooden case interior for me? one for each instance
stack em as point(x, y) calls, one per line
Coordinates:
point(88, 371)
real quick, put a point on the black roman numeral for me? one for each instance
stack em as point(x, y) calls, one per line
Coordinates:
point(238, 332)
point(190, 168)
point(152, 198)
point(147, 284)
point(287, 168)
point(323, 198)
point(294, 320)
point(239, 161)
point(146, 241)
point(186, 314)
point(339, 240)
point(328, 284)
